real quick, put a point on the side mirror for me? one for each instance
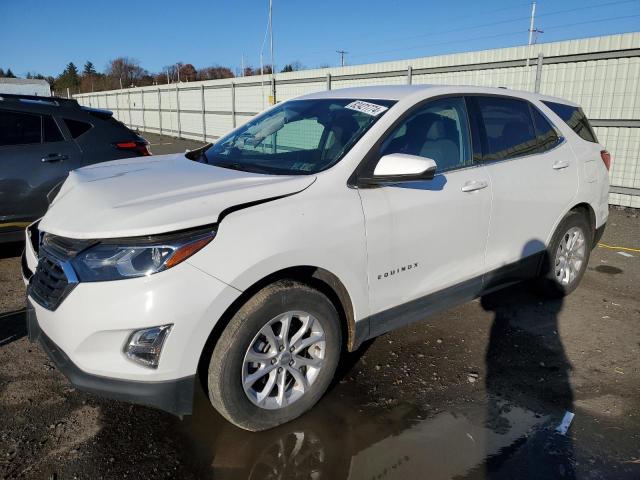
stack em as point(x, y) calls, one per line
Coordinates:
point(400, 167)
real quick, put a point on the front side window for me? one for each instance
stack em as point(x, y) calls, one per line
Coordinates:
point(19, 128)
point(437, 131)
point(575, 118)
point(297, 137)
point(508, 126)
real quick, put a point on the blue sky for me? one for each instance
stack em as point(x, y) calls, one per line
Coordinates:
point(43, 36)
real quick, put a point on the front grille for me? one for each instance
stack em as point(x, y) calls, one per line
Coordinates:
point(50, 284)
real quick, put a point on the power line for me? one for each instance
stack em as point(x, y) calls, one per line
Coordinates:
point(488, 24)
point(468, 39)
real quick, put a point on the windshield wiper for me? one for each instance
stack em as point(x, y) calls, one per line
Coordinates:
point(241, 167)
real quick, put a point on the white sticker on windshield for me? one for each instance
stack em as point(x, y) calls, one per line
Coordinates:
point(366, 107)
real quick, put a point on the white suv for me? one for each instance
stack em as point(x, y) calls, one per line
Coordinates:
point(323, 222)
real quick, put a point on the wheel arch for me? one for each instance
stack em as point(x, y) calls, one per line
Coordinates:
point(319, 278)
point(583, 207)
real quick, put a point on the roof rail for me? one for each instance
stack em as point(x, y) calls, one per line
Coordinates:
point(57, 101)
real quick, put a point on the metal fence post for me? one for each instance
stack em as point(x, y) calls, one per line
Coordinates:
point(409, 74)
point(129, 107)
point(328, 81)
point(536, 87)
point(144, 124)
point(204, 123)
point(178, 110)
point(273, 89)
point(160, 111)
point(233, 104)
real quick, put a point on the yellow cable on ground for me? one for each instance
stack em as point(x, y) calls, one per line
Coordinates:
point(612, 247)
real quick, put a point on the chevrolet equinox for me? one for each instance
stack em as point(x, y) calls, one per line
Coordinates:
point(249, 265)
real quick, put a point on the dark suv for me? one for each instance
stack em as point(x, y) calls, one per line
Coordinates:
point(41, 140)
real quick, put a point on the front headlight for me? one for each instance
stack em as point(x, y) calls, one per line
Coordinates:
point(114, 261)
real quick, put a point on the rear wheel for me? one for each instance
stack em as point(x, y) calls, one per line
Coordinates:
point(567, 256)
point(276, 358)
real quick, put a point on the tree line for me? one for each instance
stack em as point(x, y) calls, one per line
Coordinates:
point(125, 72)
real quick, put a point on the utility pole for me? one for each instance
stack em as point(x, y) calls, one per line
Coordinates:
point(342, 54)
point(273, 65)
point(178, 70)
point(242, 66)
point(531, 29)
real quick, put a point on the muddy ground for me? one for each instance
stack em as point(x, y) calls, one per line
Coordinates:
point(474, 392)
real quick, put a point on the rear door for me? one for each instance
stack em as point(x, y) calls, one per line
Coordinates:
point(423, 237)
point(34, 157)
point(534, 179)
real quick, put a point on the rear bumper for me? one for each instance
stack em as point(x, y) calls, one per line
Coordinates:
point(173, 396)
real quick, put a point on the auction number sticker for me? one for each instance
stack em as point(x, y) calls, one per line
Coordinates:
point(366, 107)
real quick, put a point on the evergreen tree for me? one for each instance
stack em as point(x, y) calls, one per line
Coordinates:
point(89, 69)
point(68, 78)
point(9, 74)
point(2, 73)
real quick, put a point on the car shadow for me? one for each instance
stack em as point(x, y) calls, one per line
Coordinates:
point(527, 368)
point(11, 250)
point(13, 326)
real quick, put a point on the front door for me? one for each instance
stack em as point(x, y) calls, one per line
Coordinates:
point(428, 236)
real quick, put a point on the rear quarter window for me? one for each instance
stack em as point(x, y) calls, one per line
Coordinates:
point(575, 118)
point(76, 127)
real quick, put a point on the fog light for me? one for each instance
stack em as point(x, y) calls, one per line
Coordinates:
point(145, 346)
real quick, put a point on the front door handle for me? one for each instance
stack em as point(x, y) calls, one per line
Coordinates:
point(54, 157)
point(473, 185)
point(560, 164)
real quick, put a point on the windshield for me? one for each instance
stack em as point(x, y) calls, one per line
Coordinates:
point(298, 137)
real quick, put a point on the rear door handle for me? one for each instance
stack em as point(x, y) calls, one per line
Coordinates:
point(54, 157)
point(560, 164)
point(473, 185)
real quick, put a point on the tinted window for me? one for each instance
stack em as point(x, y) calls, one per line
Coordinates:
point(50, 131)
point(437, 131)
point(76, 128)
point(509, 127)
point(575, 118)
point(547, 136)
point(19, 128)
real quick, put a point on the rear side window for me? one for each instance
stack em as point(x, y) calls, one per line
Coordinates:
point(50, 131)
point(19, 128)
point(509, 128)
point(77, 128)
point(575, 118)
point(547, 136)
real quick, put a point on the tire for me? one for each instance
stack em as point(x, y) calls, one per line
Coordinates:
point(237, 384)
point(556, 281)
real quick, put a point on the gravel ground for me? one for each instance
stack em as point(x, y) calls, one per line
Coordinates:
point(474, 392)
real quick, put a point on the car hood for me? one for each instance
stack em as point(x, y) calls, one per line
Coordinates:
point(151, 195)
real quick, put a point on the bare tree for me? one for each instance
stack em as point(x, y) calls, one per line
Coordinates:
point(125, 71)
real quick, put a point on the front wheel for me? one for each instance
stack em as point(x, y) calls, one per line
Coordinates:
point(568, 255)
point(276, 358)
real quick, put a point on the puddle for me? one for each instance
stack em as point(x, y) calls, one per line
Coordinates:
point(608, 269)
point(337, 440)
